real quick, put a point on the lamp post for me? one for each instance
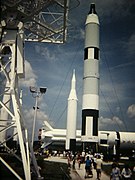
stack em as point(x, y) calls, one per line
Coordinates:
point(36, 93)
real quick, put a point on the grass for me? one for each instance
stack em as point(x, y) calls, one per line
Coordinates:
point(53, 170)
point(49, 170)
point(5, 174)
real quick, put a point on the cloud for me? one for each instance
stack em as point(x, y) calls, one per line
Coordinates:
point(45, 52)
point(30, 76)
point(114, 10)
point(108, 123)
point(131, 44)
point(117, 120)
point(29, 118)
point(118, 109)
point(123, 65)
point(131, 111)
point(76, 33)
point(82, 33)
point(128, 44)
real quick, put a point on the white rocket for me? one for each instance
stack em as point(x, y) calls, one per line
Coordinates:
point(90, 101)
point(71, 116)
point(110, 139)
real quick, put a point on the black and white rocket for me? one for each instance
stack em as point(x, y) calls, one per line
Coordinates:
point(90, 101)
point(71, 116)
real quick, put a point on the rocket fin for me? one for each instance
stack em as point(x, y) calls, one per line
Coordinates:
point(47, 126)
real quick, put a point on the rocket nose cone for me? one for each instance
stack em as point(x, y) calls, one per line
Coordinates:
point(92, 9)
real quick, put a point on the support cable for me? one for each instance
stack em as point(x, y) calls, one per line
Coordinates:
point(114, 89)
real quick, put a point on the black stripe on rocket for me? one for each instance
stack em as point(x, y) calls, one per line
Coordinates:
point(90, 113)
point(95, 53)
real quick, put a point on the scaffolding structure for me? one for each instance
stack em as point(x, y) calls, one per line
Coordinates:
point(24, 20)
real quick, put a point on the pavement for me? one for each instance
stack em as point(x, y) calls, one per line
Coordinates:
point(78, 173)
point(81, 173)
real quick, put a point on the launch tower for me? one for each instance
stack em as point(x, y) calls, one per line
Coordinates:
point(24, 20)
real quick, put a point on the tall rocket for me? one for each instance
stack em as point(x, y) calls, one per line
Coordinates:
point(90, 101)
point(71, 116)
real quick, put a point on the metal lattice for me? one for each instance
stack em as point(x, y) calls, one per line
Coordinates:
point(44, 20)
point(31, 20)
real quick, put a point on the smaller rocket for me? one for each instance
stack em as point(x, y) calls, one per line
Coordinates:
point(71, 116)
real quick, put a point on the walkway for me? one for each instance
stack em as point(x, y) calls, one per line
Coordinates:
point(78, 174)
point(81, 173)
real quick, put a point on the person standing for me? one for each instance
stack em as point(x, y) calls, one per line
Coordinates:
point(115, 174)
point(94, 162)
point(99, 166)
point(83, 156)
point(88, 167)
point(74, 159)
point(126, 172)
point(79, 161)
point(69, 160)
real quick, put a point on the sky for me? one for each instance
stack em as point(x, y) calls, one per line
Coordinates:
point(51, 66)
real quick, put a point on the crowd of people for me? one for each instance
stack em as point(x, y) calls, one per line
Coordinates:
point(116, 174)
point(95, 162)
point(89, 160)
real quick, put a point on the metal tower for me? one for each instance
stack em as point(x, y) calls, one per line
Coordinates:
point(24, 20)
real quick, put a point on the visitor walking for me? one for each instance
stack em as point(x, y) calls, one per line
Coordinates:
point(74, 159)
point(98, 166)
point(88, 167)
point(79, 161)
point(69, 160)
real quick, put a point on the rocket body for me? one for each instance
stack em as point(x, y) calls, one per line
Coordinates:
point(90, 101)
point(71, 116)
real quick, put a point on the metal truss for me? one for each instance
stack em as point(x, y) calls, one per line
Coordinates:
point(24, 20)
point(11, 115)
point(44, 20)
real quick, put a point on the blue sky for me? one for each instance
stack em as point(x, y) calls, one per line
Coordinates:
point(51, 65)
